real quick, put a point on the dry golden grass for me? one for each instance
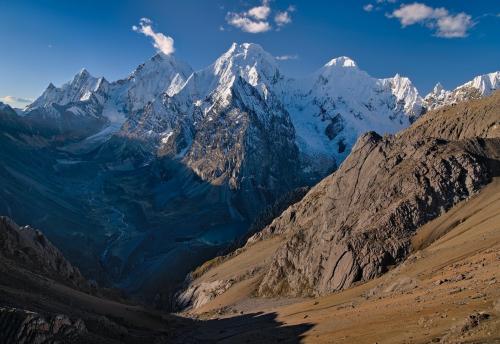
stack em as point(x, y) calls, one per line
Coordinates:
point(456, 273)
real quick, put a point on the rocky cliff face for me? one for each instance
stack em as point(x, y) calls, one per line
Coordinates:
point(21, 326)
point(357, 222)
point(30, 249)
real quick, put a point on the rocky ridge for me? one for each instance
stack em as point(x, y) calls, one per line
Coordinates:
point(21, 326)
point(358, 222)
point(480, 86)
point(29, 248)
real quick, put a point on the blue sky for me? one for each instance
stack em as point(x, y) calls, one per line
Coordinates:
point(50, 40)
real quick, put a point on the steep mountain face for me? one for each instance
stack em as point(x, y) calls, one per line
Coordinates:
point(327, 110)
point(358, 221)
point(73, 111)
point(161, 74)
point(228, 125)
point(82, 88)
point(339, 102)
point(480, 86)
point(30, 249)
point(99, 108)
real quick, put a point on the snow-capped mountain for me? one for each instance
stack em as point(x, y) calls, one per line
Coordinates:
point(211, 87)
point(87, 101)
point(229, 126)
point(167, 104)
point(480, 86)
point(216, 146)
point(328, 110)
point(339, 102)
point(160, 74)
point(84, 96)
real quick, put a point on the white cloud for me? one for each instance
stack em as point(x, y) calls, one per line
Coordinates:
point(446, 25)
point(416, 13)
point(260, 12)
point(283, 18)
point(247, 24)
point(368, 7)
point(454, 26)
point(286, 57)
point(16, 101)
point(256, 19)
point(161, 42)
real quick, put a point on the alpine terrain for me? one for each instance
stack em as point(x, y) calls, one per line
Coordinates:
point(111, 171)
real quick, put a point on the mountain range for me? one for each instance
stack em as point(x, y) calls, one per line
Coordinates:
point(140, 180)
point(328, 109)
point(399, 244)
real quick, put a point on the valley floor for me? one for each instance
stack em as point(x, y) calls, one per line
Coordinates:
point(448, 290)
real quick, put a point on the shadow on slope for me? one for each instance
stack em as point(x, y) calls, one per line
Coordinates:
point(249, 328)
point(122, 215)
point(44, 298)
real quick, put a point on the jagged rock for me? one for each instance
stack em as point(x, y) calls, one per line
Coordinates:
point(30, 249)
point(480, 86)
point(473, 320)
point(18, 326)
point(197, 295)
point(358, 221)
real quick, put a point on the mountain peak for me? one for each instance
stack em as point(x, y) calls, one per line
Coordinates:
point(485, 83)
point(163, 63)
point(247, 52)
point(251, 47)
point(83, 76)
point(248, 60)
point(438, 88)
point(83, 71)
point(342, 61)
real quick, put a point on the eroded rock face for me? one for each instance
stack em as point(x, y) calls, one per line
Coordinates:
point(30, 249)
point(25, 327)
point(197, 295)
point(358, 221)
point(248, 145)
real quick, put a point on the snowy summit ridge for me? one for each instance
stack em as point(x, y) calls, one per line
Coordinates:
point(328, 109)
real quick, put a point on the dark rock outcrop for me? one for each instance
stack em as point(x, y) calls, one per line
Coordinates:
point(24, 327)
point(30, 249)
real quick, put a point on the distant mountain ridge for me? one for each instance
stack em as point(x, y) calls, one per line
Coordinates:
point(328, 109)
point(480, 86)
